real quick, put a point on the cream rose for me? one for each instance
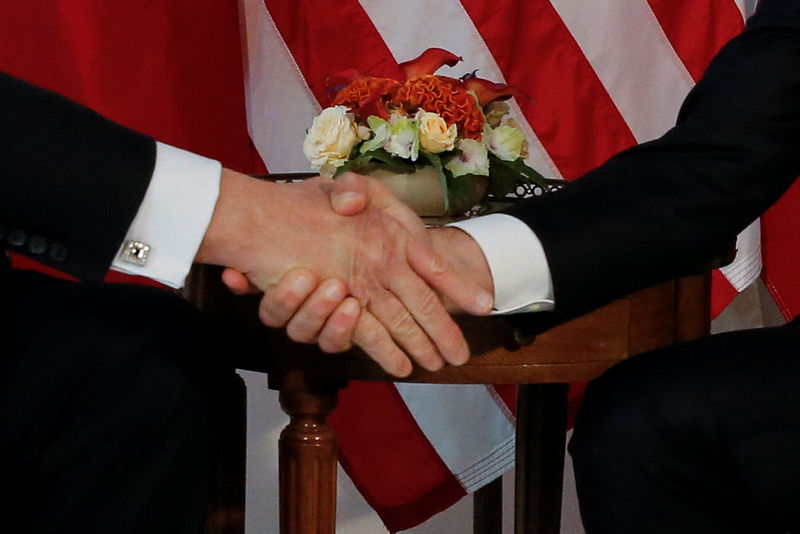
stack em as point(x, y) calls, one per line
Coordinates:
point(331, 138)
point(434, 135)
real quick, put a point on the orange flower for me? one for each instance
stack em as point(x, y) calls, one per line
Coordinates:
point(452, 99)
point(365, 91)
point(445, 96)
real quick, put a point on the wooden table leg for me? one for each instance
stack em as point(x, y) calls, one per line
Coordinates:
point(693, 307)
point(307, 464)
point(541, 437)
point(487, 508)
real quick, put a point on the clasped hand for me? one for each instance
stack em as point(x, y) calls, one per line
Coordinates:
point(380, 274)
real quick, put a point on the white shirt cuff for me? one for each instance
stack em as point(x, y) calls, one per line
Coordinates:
point(174, 215)
point(517, 262)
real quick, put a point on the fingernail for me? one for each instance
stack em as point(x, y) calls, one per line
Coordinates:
point(334, 292)
point(485, 301)
point(352, 308)
point(341, 200)
point(462, 357)
point(301, 284)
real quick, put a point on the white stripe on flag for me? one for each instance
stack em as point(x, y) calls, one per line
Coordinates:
point(746, 267)
point(460, 37)
point(463, 423)
point(644, 76)
point(280, 105)
point(747, 7)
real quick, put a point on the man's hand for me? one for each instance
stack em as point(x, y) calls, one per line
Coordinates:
point(264, 229)
point(317, 312)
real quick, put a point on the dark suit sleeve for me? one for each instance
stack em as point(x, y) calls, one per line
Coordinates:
point(664, 208)
point(71, 182)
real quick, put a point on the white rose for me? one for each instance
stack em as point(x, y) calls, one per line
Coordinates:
point(331, 138)
point(434, 134)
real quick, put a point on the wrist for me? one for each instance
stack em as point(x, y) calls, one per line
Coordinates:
point(225, 241)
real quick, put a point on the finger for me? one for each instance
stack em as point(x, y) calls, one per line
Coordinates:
point(375, 340)
point(404, 329)
point(434, 270)
point(309, 319)
point(281, 301)
point(340, 327)
point(429, 314)
point(237, 283)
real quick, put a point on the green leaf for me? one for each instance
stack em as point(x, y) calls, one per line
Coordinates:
point(465, 191)
point(374, 158)
point(507, 174)
point(393, 163)
point(356, 164)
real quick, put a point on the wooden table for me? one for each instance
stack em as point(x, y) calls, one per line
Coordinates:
point(308, 382)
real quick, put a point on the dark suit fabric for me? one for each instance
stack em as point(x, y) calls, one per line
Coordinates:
point(665, 207)
point(111, 396)
point(71, 179)
point(701, 437)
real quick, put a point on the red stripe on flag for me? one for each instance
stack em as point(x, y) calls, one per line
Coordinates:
point(697, 29)
point(172, 70)
point(412, 482)
point(570, 111)
point(507, 394)
point(780, 242)
point(722, 293)
point(307, 28)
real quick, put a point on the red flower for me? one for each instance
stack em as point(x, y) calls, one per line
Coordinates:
point(444, 96)
point(367, 96)
point(449, 97)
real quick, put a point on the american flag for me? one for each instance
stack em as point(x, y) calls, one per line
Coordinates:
point(241, 83)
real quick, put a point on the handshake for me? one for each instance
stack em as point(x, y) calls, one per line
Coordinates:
point(343, 262)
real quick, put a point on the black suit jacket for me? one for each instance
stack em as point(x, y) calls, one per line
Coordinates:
point(663, 208)
point(71, 181)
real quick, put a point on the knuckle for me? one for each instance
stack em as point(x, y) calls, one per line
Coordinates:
point(429, 305)
point(369, 338)
point(403, 324)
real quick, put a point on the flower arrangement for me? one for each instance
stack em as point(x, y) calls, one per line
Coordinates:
point(459, 127)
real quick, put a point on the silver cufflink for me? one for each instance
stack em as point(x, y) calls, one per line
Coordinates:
point(135, 252)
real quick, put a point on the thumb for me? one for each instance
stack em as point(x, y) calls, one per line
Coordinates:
point(352, 193)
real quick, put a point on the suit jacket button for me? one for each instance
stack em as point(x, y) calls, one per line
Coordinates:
point(57, 252)
point(16, 238)
point(37, 245)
